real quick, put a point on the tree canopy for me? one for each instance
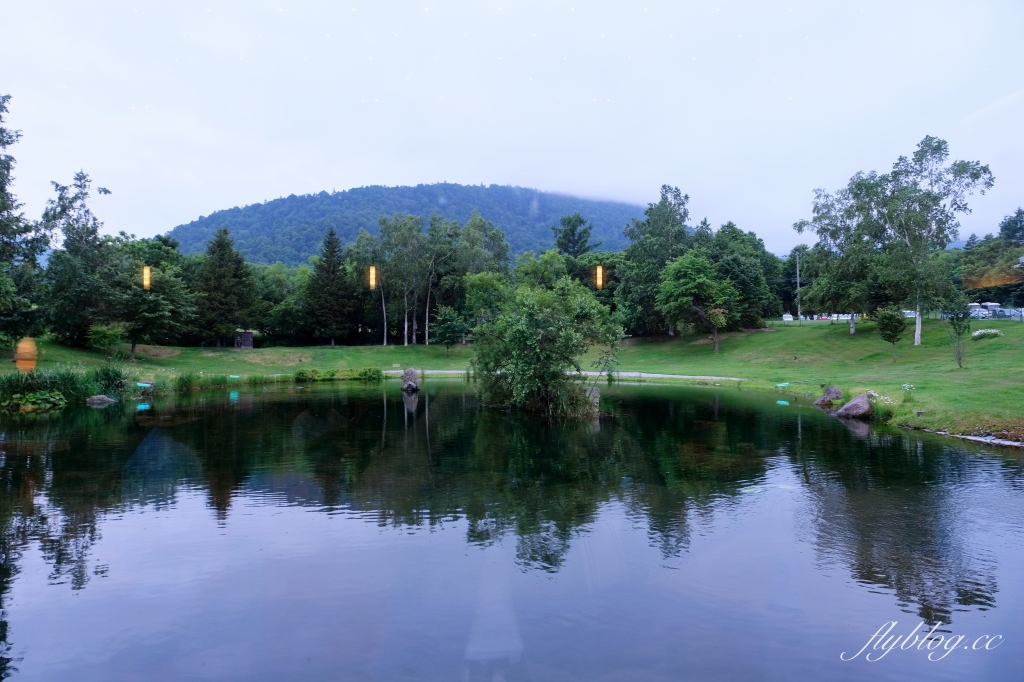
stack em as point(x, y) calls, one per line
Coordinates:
point(523, 354)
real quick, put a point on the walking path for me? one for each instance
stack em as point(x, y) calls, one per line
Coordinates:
point(618, 375)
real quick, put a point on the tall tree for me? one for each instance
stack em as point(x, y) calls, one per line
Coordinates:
point(482, 247)
point(913, 210)
point(154, 315)
point(370, 251)
point(21, 243)
point(225, 288)
point(840, 261)
point(402, 237)
point(572, 237)
point(76, 289)
point(661, 236)
point(20, 240)
point(441, 248)
point(328, 299)
point(692, 291)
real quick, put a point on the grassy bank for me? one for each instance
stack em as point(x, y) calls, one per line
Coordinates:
point(987, 396)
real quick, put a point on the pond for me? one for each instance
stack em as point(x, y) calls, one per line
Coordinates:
point(348, 532)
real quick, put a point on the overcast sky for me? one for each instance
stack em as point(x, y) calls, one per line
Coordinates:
point(182, 108)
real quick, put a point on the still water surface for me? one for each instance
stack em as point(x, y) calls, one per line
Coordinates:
point(350, 533)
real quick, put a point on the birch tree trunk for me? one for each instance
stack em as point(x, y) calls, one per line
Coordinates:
point(384, 308)
point(426, 319)
point(415, 320)
point(917, 325)
point(405, 322)
point(853, 324)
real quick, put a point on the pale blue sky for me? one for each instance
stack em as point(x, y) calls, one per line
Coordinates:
point(188, 107)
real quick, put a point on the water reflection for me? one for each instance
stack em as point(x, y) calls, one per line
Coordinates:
point(890, 508)
point(896, 511)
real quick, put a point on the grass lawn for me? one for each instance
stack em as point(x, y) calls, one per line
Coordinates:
point(986, 396)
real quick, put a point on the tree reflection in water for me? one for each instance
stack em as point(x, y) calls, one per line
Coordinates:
point(885, 505)
point(888, 508)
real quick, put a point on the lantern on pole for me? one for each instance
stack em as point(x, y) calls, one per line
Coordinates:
point(145, 277)
point(599, 277)
point(373, 277)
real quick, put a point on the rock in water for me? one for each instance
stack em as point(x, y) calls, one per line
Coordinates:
point(858, 408)
point(831, 395)
point(410, 381)
point(99, 401)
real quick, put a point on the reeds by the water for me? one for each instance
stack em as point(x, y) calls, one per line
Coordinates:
point(74, 383)
point(365, 374)
point(121, 381)
point(192, 381)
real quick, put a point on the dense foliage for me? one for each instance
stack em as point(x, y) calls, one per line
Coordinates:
point(882, 238)
point(291, 228)
point(442, 271)
point(524, 353)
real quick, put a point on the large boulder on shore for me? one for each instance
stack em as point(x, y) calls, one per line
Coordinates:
point(831, 395)
point(410, 381)
point(99, 401)
point(858, 408)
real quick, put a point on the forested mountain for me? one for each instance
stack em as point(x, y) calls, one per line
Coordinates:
point(291, 229)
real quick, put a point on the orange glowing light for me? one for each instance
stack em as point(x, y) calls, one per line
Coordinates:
point(996, 279)
point(373, 277)
point(145, 277)
point(25, 354)
point(599, 277)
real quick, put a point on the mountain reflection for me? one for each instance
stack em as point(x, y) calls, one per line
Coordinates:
point(884, 505)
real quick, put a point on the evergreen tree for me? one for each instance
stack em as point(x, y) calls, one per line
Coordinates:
point(573, 237)
point(658, 238)
point(329, 300)
point(226, 289)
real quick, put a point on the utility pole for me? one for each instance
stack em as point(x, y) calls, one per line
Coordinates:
point(799, 313)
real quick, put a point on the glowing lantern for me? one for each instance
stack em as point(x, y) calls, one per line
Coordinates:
point(599, 277)
point(25, 354)
point(373, 277)
point(145, 277)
